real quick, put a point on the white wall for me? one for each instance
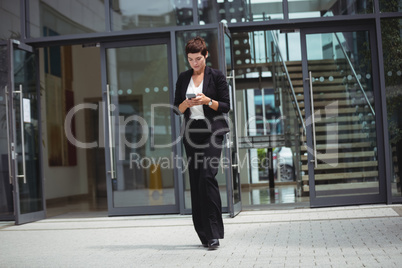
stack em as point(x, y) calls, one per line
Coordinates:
point(72, 180)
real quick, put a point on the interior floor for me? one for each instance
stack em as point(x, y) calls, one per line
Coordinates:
point(77, 209)
point(256, 198)
point(283, 194)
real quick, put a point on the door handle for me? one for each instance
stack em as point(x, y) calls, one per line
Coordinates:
point(112, 171)
point(22, 136)
point(233, 75)
point(313, 119)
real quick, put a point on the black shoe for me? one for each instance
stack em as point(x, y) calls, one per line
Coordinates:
point(213, 244)
point(205, 245)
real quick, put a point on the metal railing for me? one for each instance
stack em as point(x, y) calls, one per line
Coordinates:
point(293, 94)
point(354, 73)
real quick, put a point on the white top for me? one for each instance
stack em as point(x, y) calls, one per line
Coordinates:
point(197, 112)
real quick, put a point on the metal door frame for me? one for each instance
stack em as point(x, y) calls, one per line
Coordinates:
point(233, 171)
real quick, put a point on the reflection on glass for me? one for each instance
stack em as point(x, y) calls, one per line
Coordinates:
point(345, 127)
point(328, 8)
point(261, 10)
point(141, 127)
point(10, 16)
point(392, 43)
point(289, 45)
point(30, 188)
point(390, 6)
point(259, 113)
point(129, 14)
point(238, 11)
point(60, 17)
point(283, 194)
point(263, 115)
point(6, 202)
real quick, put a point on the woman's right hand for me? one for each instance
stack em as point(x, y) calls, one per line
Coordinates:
point(188, 103)
point(184, 105)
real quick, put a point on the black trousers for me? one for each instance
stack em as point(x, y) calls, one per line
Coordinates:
point(203, 153)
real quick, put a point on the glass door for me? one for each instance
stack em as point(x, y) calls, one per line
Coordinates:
point(340, 82)
point(139, 155)
point(231, 152)
point(22, 112)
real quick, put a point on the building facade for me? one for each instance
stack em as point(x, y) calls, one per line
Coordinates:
point(86, 89)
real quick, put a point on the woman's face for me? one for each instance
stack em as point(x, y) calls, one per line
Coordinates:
point(197, 61)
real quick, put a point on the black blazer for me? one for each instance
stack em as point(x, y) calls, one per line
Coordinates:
point(214, 87)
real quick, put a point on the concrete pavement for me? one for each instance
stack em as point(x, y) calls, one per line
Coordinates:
point(356, 236)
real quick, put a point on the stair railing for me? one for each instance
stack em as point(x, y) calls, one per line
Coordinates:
point(290, 84)
point(354, 73)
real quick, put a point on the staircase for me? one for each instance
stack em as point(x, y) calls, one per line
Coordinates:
point(345, 130)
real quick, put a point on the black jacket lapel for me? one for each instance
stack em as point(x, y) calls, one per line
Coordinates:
point(207, 77)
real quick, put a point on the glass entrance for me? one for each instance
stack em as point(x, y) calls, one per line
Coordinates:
point(339, 99)
point(23, 135)
point(139, 154)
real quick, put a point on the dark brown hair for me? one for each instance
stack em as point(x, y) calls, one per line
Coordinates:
point(196, 45)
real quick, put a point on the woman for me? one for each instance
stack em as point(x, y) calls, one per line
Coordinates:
point(202, 95)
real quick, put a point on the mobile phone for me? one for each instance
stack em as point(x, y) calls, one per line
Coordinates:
point(190, 96)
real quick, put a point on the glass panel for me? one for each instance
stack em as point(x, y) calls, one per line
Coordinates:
point(60, 17)
point(129, 14)
point(139, 90)
point(233, 11)
point(269, 90)
point(345, 127)
point(328, 8)
point(259, 113)
point(6, 194)
point(10, 13)
point(392, 45)
point(390, 6)
point(25, 78)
